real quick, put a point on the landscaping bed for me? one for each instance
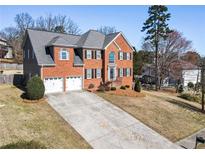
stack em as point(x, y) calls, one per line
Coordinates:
point(126, 92)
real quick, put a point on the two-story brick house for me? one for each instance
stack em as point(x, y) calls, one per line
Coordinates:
point(73, 62)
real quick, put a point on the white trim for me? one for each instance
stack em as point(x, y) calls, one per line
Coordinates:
point(87, 73)
point(67, 54)
point(97, 73)
point(117, 45)
point(124, 38)
point(112, 40)
point(90, 54)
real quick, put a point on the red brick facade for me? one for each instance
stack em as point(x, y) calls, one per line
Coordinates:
point(65, 68)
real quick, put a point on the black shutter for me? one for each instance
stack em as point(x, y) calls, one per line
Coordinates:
point(130, 72)
point(93, 73)
point(85, 54)
point(130, 56)
point(95, 54)
point(85, 73)
point(118, 55)
point(118, 72)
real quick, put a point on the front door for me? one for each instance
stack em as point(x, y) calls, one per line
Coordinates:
point(112, 73)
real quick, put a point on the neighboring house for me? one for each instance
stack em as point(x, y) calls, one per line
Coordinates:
point(73, 62)
point(180, 71)
point(190, 73)
point(6, 50)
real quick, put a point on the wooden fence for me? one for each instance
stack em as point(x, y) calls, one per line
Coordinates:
point(15, 79)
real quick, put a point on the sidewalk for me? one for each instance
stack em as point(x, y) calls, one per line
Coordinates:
point(189, 142)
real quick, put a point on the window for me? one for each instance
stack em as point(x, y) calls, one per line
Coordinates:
point(32, 54)
point(121, 55)
point(98, 73)
point(120, 73)
point(128, 72)
point(28, 53)
point(98, 54)
point(88, 54)
point(88, 73)
point(64, 54)
point(128, 56)
point(112, 57)
point(24, 54)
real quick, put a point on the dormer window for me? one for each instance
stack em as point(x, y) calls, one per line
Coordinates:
point(64, 54)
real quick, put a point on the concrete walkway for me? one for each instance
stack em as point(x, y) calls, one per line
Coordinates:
point(104, 125)
point(189, 142)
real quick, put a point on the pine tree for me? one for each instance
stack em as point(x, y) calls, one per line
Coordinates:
point(156, 28)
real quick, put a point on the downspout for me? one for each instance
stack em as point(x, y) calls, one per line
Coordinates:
point(41, 72)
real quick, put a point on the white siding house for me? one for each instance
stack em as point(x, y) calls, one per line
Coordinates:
point(192, 75)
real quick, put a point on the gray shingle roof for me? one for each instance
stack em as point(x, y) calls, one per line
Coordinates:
point(109, 38)
point(91, 39)
point(42, 39)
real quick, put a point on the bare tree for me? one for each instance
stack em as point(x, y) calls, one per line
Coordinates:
point(59, 23)
point(106, 30)
point(23, 21)
point(45, 23)
point(170, 50)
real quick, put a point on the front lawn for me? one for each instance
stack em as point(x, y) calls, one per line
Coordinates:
point(171, 117)
point(36, 125)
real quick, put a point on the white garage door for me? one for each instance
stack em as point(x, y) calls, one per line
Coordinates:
point(73, 83)
point(53, 85)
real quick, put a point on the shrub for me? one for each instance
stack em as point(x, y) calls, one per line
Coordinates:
point(127, 86)
point(101, 88)
point(91, 86)
point(137, 86)
point(24, 145)
point(190, 97)
point(113, 88)
point(197, 86)
point(180, 88)
point(190, 85)
point(35, 88)
point(123, 87)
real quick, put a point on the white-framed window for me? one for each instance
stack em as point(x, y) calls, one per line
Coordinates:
point(112, 57)
point(28, 53)
point(128, 72)
point(32, 54)
point(128, 56)
point(64, 54)
point(120, 72)
point(98, 73)
point(88, 73)
point(88, 54)
point(98, 54)
point(121, 55)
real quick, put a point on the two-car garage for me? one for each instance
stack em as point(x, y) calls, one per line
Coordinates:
point(56, 84)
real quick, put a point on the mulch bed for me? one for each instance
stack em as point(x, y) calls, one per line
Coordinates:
point(127, 92)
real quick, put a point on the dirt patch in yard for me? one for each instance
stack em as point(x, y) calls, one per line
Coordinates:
point(127, 92)
point(171, 120)
point(36, 122)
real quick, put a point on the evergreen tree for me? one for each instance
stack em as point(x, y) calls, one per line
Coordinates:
point(156, 28)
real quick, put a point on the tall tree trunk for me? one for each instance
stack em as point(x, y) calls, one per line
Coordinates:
point(156, 67)
point(202, 88)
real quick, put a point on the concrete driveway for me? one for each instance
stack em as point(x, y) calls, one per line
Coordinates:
point(104, 125)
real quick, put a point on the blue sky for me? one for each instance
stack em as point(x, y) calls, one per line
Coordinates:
point(190, 20)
